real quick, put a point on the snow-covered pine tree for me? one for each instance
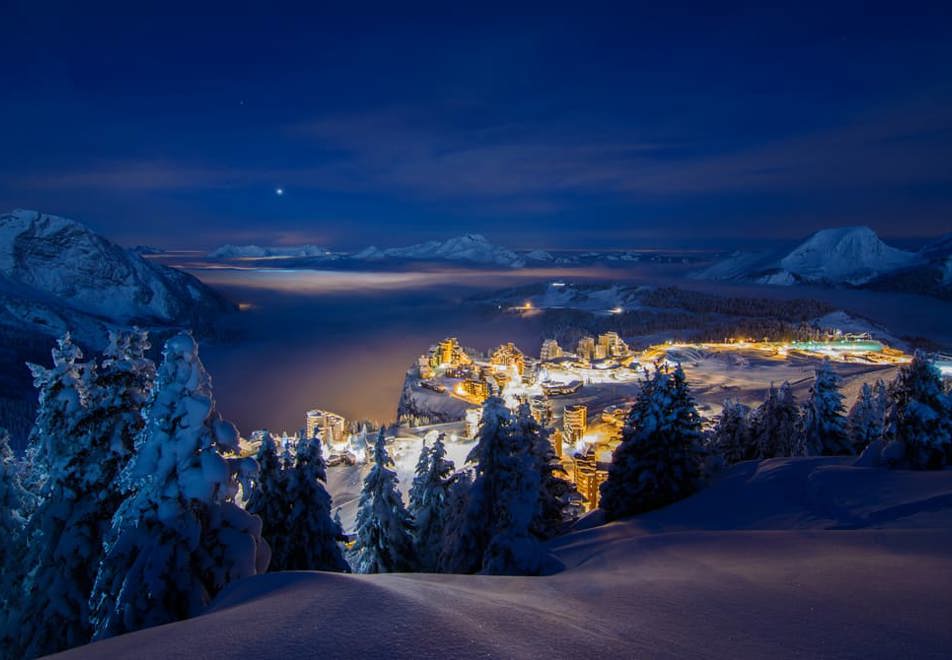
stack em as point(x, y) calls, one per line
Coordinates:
point(516, 499)
point(65, 530)
point(558, 498)
point(61, 405)
point(920, 415)
point(269, 499)
point(455, 528)
point(824, 421)
point(311, 542)
point(420, 474)
point(866, 418)
point(776, 424)
point(14, 500)
point(179, 538)
point(429, 500)
point(82, 492)
point(731, 438)
point(384, 541)
point(493, 533)
point(659, 459)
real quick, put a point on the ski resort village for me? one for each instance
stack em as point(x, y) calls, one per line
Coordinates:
point(583, 394)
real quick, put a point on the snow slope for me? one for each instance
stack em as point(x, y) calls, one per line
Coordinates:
point(844, 255)
point(470, 248)
point(782, 558)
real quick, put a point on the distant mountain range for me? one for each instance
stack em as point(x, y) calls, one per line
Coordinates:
point(851, 256)
point(473, 249)
point(259, 252)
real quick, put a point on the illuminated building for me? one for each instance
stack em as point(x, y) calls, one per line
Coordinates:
point(507, 355)
point(574, 422)
point(330, 426)
point(556, 438)
point(448, 353)
point(586, 348)
point(426, 369)
point(601, 352)
point(558, 389)
point(612, 345)
point(541, 410)
point(616, 415)
point(473, 417)
point(589, 476)
point(550, 350)
point(478, 390)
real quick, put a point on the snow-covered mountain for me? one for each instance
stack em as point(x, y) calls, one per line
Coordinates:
point(264, 252)
point(845, 255)
point(852, 255)
point(470, 248)
point(54, 270)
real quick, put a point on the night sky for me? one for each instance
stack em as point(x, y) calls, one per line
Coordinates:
point(615, 128)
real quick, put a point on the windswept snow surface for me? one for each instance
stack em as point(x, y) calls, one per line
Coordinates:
point(783, 558)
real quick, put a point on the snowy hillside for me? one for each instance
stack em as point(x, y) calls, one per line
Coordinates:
point(470, 248)
point(265, 252)
point(782, 558)
point(845, 255)
point(49, 259)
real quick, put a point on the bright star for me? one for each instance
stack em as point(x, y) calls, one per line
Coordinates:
point(279, 191)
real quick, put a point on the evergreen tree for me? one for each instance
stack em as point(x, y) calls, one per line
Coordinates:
point(866, 419)
point(270, 501)
point(658, 460)
point(179, 538)
point(557, 496)
point(731, 438)
point(311, 543)
point(420, 475)
point(429, 500)
point(824, 422)
point(493, 535)
point(920, 415)
point(384, 541)
point(455, 535)
point(61, 405)
point(776, 425)
point(65, 531)
point(14, 500)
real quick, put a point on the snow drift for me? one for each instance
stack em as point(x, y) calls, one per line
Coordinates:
point(786, 557)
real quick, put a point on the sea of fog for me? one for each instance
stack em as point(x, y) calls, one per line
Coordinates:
point(342, 340)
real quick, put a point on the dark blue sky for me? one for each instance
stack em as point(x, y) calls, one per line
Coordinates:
point(622, 126)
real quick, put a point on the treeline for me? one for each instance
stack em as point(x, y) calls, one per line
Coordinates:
point(905, 423)
point(122, 514)
point(796, 310)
